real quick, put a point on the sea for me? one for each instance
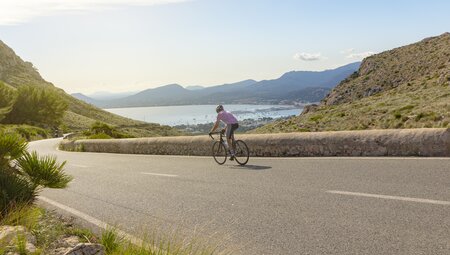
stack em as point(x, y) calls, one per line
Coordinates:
point(201, 114)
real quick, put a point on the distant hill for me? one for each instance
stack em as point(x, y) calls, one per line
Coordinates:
point(105, 95)
point(80, 115)
point(194, 87)
point(406, 87)
point(291, 87)
point(84, 98)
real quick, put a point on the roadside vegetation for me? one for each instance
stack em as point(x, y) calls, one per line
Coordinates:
point(29, 230)
point(22, 89)
point(52, 234)
point(32, 112)
point(407, 87)
point(23, 174)
point(422, 105)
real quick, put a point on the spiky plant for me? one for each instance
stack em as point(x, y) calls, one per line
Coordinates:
point(24, 174)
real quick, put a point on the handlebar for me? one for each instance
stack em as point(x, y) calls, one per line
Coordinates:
point(216, 133)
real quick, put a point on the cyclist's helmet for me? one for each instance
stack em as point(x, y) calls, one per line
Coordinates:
point(219, 108)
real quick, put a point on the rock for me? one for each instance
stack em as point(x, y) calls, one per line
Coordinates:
point(64, 245)
point(372, 91)
point(309, 108)
point(9, 237)
point(87, 249)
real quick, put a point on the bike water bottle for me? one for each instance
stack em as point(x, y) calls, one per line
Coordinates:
point(226, 144)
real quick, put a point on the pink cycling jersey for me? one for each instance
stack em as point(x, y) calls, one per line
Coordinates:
point(227, 117)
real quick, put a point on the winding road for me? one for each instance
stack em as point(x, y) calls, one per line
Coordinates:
point(271, 206)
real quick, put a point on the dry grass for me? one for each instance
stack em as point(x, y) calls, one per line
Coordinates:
point(424, 104)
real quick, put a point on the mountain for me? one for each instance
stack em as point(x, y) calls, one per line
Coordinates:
point(406, 87)
point(194, 87)
point(291, 87)
point(105, 95)
point(301, 85)
point(80, 115)
point(84, 98)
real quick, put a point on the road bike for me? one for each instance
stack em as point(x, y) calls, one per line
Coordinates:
point(220, 153)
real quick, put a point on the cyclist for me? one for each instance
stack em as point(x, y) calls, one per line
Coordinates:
point(232, 125)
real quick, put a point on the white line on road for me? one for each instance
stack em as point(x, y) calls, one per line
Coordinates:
point(166, 175)
point(92, 220)
point(409, 199)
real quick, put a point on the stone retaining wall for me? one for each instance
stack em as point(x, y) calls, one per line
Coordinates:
point(432, 142)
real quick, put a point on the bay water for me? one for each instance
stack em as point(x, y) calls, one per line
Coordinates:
point(201, 114)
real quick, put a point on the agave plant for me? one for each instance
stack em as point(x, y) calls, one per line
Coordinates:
point(23, 174)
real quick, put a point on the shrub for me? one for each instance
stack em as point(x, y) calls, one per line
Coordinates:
point(101, 130)
point(37, 106)
point(316, 118)
point(419, 116)
point(24, 174)
point(111, 240)
point(7, 99)
point(100, 136)
point(397, 115)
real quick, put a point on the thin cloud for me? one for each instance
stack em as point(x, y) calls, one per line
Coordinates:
point(347, 51)
point(308, 56)
point(20, 11)
point(360, 55)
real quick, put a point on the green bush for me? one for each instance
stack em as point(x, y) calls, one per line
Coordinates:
point(101, 130)
point(111, 240)
point(316, 118)
point(37, 106)
point(100, 136)
point(419, 116)
point(25, 131)
point(24, 174)
point(7, 99)
point(397, 115)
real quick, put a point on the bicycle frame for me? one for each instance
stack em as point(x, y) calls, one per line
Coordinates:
point(221, 133)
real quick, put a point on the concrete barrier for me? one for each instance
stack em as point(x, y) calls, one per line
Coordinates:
point(429, 142)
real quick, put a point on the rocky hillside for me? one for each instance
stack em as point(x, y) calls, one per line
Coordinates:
point(406, 87)
point(80, 115)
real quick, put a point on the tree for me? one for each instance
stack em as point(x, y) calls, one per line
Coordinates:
point(23, 174)
point(37, 106)
point(8, 96)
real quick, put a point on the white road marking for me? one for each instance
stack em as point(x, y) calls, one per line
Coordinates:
point(92, 220)
point(165, 175)
point(409, 199)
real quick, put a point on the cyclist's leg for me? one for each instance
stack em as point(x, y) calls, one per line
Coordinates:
point(230, 136)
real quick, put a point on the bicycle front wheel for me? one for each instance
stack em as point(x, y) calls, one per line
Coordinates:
point(219, 153)
point(241, 153)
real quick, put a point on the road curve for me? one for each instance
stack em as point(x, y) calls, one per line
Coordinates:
point(272, 206)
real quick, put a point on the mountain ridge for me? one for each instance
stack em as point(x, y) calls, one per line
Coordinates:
point(292, 86)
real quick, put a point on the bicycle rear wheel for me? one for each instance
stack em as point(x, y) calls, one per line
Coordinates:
point(219, 153)
point(241, 152)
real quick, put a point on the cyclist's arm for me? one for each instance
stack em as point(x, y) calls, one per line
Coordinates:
point(216, 125)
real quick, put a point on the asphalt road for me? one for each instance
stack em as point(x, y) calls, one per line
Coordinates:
point(272, 206)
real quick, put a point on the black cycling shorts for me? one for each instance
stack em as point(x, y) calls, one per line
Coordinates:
point(230, 129)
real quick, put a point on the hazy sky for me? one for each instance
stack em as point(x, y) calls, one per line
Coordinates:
point(130, 45)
